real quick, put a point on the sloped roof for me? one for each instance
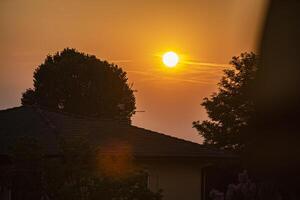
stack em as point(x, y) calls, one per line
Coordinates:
point(107, 135)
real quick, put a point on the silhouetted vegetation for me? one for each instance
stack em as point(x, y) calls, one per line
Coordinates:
point(246, 189)
point(74, 175)
point(231, 108)
point(25, 176)
point(78, 83)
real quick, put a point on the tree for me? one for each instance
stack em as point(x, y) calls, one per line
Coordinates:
point(231, 108)
point(79, 83)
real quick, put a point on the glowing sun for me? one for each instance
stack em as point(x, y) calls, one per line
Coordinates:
point(170, 59)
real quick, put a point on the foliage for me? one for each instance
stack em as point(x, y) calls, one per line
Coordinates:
point(216, 195)
point(25, 176)
point(73, 176)
point(133, 187)
point(78, 83)
point(247, 189)
point(28, 97)
point(231, 108)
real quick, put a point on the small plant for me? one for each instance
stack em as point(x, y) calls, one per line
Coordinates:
point(245, 189)
point(216, 195)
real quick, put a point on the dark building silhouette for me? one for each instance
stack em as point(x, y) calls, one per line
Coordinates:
point(176, 166)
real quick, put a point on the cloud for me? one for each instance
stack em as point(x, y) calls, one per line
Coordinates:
point(192, 72)
point(206, 64)
point(120, 61)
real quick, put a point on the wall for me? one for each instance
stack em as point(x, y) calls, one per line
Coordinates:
point(178, 179)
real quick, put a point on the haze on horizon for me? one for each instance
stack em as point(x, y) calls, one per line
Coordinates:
point(133, 34)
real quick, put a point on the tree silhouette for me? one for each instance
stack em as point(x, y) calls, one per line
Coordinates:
point(79, 83)
point(231, 108)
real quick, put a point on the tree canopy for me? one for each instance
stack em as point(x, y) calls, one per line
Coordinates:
point(231, 107)
point(79, 83)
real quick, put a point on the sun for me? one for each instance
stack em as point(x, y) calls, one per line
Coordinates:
point(170, 59)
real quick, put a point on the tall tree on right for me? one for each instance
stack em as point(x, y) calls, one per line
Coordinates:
point(231, 107)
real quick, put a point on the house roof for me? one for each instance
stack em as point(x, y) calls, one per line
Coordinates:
point(109, 136)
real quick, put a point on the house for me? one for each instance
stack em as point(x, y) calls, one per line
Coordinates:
point(174, 165)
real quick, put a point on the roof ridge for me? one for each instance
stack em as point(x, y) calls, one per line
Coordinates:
point(183, 140)
point(69, 114)
point(9, 109)
point(169, 136)
point(40, 110)
point(45, 119)
point(50, 124)
point(144, 142)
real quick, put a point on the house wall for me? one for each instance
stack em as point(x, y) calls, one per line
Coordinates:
point(178, 180)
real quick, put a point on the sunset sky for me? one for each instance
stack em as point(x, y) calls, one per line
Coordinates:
point(134, 34)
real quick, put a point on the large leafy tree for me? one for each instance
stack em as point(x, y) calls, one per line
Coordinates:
point(78, 83)
point(231, 107)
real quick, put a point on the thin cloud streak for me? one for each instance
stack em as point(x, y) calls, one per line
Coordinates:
point(152, 76)
point(196, 73)
point(121, 61)
point(206, 64)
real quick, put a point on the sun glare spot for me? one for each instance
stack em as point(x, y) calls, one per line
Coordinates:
point(170, 59)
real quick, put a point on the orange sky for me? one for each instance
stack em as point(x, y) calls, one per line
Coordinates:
point(133, 34)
